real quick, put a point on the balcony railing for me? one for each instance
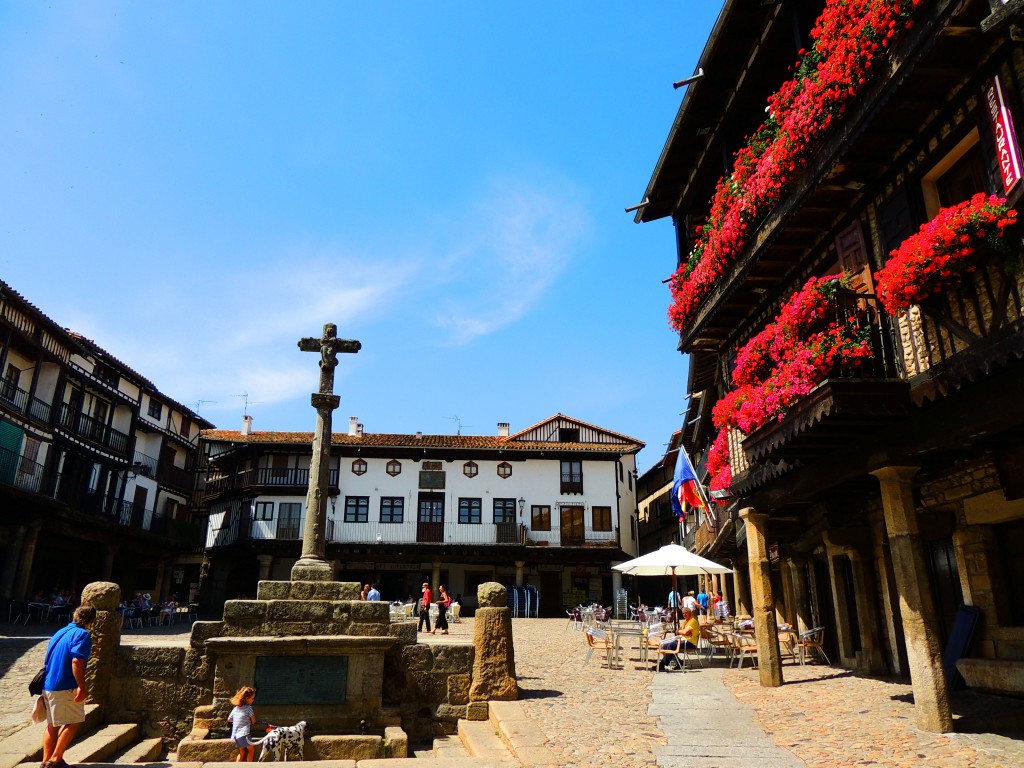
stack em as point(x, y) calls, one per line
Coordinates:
point(264, 477)
point(144, 464)
point(20, 472)
point(964, 329)
point(176, 476)
point(93, 430)
point(14, 397)
point(572, 483)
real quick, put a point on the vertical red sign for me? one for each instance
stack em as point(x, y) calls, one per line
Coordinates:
point(1007, 152)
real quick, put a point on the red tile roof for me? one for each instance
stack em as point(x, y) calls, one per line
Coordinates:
point(369, 439)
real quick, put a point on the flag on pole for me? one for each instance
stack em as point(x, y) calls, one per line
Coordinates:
point(684, 486)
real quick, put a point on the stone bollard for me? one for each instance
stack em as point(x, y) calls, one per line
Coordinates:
point(494, 663)
point(106, 638)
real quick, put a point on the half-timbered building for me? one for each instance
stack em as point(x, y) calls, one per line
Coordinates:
point(96, 467)
point(849, 292)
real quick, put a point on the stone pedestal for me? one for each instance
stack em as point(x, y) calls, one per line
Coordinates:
point(494, 666)
point(106, 637)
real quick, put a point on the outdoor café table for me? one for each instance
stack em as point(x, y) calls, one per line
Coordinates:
point(628, 632)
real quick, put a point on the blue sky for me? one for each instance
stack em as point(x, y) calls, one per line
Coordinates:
point(196, 185)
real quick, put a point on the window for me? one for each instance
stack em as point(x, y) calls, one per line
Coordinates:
point(357, 509)
point(568, 434)
point(504, 470)
point(186, 426)
point(358, 467)
point(572, 476)
point(170, 508)
point(469, 511)
point(957, 176)
point(264, 510)
point(156, 408)
point(470, 469)
point(602, 518)
point(540, 518)
point(288, 514)
point(504, 511)
point(394, 467)
point(392, 509)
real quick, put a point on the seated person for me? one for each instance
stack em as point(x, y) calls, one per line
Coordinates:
point(688, 634)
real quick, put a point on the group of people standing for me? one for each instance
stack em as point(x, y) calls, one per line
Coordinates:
point(444, 601)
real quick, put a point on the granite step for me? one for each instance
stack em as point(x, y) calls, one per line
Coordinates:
point(524, 737)
point(448, 747)
point(26, 746)
point(144, 751)
point(101, 745)
point(482, 740)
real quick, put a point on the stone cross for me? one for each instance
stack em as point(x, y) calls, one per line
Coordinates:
point(313, 564)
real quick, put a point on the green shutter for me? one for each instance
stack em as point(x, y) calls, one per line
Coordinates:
point(10, 450)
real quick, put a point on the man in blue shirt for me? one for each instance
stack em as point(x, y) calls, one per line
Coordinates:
point(373, 594)
point(64, 687)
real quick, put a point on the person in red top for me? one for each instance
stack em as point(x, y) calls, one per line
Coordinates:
point(425, 601)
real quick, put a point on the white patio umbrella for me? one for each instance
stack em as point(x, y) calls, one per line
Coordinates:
point(671, 560)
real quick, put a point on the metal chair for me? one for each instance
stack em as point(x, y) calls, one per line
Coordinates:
point(813, 640)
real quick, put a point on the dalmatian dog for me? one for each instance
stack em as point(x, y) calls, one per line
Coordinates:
point(282, 740)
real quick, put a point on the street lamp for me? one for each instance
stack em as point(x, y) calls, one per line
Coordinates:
point(522, 504)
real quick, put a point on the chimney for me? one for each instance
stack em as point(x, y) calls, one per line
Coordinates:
point(359, 429)
point(246, 425)
point(419, 435)
point(502, 429)
point(353, 423)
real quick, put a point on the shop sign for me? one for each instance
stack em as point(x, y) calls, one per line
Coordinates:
point(773, 553)
point(1007, 153)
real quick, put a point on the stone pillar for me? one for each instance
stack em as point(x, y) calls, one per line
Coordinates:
point(161, 568)
point(266, 562)
point(107, 569)
point(28, 552)
point(742, 590)
point(494, 661)
point(616, 586)
point(785, 608)
point(724, 578)
point(844, 632)
point(917, 606)
point(801, 603)
point(106, 638)
point(769, 657)
point(166, 582)
point(435, 575)
point(892, 625)
point(11, 562)
point(870, 656)
point(519, 572)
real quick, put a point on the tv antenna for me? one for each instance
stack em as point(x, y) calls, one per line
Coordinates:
point(201, 403)
point(458, 424)
point(248, 402)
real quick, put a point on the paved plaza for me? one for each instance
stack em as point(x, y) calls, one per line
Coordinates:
point(630, 717)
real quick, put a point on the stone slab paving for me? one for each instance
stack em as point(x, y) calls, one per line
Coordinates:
point(832, 717)
point(706, 726)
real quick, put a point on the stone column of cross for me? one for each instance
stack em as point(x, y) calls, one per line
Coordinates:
point(313, 564)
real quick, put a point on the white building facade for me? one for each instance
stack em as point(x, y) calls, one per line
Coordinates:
point(552, 506)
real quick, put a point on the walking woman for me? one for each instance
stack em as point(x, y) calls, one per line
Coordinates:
point(443, 601)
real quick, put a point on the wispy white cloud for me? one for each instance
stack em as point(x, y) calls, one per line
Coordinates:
point(514, 245)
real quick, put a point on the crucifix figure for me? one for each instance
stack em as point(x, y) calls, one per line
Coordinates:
point(313, 564)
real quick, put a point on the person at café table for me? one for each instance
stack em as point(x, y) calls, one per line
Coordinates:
point(689, 631)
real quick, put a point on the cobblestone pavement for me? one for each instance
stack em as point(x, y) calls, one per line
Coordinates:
point(596, 716)
point(592, 715)
point(831, 717)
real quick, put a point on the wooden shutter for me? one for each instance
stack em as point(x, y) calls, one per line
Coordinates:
point(854, 258)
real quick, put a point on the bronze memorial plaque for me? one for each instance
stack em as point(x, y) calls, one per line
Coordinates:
point(301, 679)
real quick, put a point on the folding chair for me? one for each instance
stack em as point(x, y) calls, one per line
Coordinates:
point(744, 646)
point(674, 651)
point(598, 638)
point(813, 640)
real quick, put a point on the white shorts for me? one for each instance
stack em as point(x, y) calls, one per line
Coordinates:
point(62, 709)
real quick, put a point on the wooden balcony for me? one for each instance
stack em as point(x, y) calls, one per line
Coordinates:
point(93, 431)
point(963, 333)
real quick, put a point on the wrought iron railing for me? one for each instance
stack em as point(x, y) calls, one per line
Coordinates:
point(93, 430)
point(20, 472)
